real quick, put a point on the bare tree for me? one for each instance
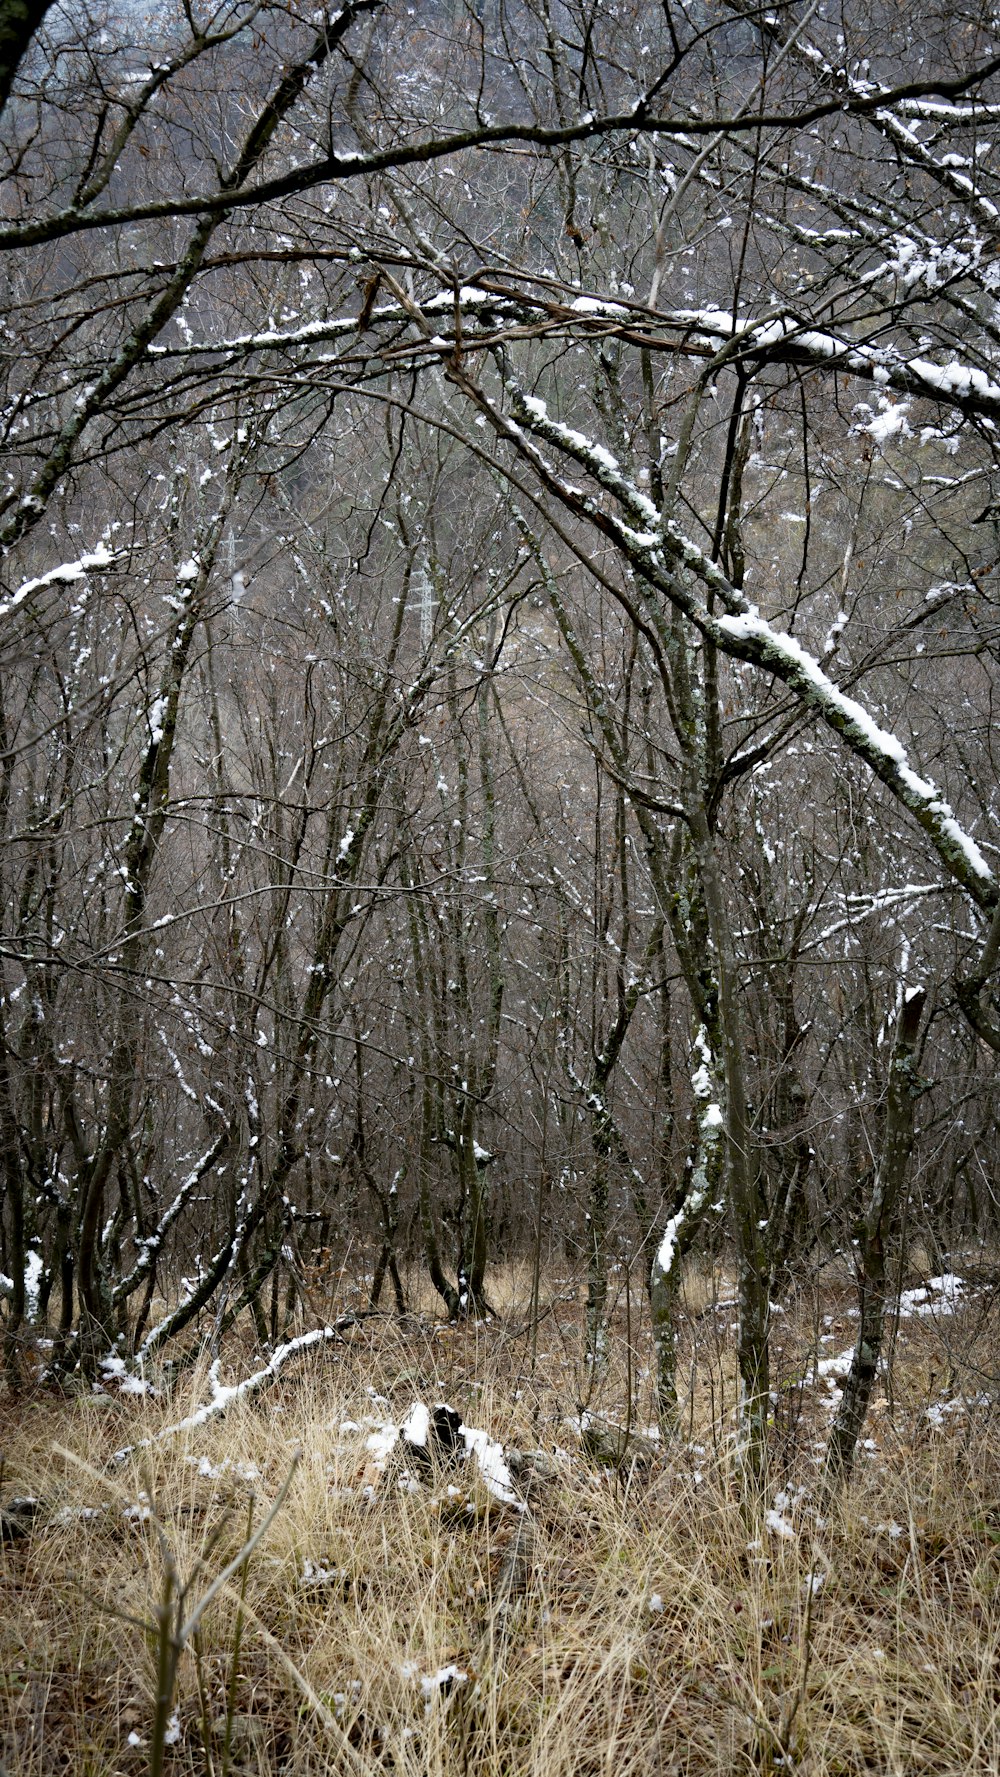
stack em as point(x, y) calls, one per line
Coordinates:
point(677, 328)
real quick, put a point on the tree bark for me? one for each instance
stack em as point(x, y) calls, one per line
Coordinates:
point(19, 20)
point(887, 1191)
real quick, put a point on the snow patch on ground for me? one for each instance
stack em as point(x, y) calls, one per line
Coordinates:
point(940, 1295)
point(416, 1428)
point(316, 1573)
point(215, 1471)
point(116, 1378)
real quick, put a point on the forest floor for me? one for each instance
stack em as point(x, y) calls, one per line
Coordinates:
point(512, 1619)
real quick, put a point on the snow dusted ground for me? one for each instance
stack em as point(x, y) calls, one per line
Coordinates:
point(939, 1296)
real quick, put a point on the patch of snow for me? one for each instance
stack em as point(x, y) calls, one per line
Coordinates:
point(381, 1443)
point(589, 305)
point(831, 1368)
point(64, 575)
point(939, 1296)
point(891, 422)
point(416, 1426)
point(492, 1463)
point(67, 1515)
point(781, 334)
point(214, 1471)
point(444, 1679)
point(316, 1573)
point(416, 1431)
point(665, 1250)
point(881, 748)
point(116, 1374)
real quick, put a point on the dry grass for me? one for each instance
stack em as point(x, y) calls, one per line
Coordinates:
point(890, 1665)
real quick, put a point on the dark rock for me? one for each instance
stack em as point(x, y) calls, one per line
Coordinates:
point(446, 1433)
point(444, 1445)
point(18, 1517)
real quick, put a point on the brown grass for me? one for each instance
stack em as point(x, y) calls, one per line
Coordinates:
point(889, 1665)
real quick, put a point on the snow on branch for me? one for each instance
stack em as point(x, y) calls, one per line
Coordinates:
point(752, 638)
point(149, 1249)
point(600, 463)
point(660, 547)
point(886, 108)
point(223, 1398)
point(779, 337)
point(469, 300)
point(783, 338)
point(643, 116)
point(885, 903)
point(710, 1121)
point(938, 111)
point(64, 575)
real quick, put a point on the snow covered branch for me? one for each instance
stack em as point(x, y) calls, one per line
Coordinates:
point(150, 1249)
point(658, 549)
point(223, 1397)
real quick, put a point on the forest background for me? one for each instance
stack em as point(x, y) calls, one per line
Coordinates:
point(498, 638)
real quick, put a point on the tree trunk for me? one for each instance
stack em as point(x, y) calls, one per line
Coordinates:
point(13, 1191)
point(887, 1191)
point(702, 1182)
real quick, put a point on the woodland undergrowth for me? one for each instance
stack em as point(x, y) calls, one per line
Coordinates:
point(397, 1616)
